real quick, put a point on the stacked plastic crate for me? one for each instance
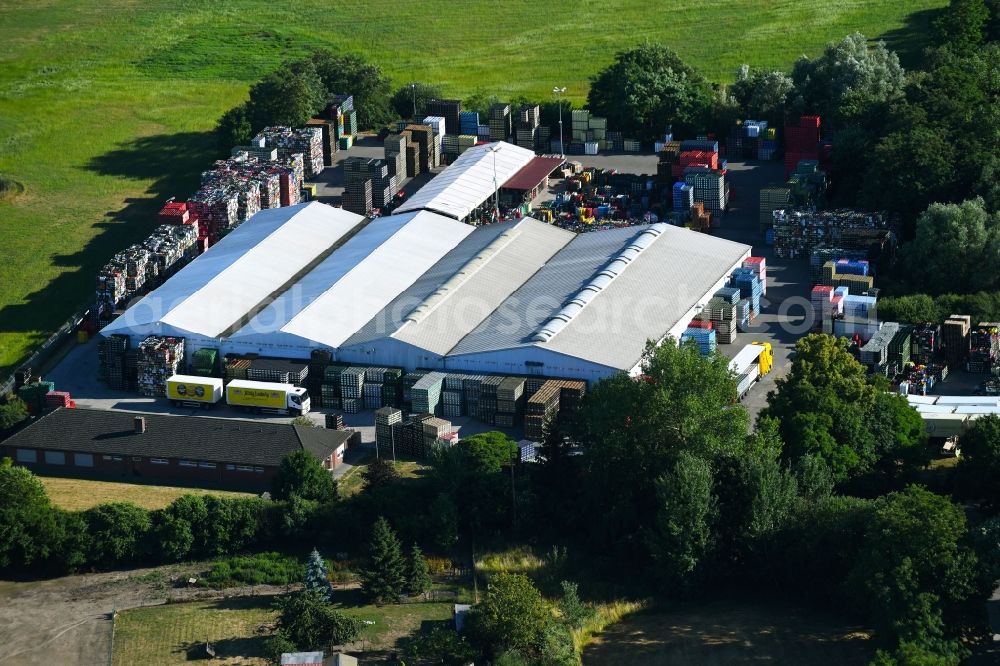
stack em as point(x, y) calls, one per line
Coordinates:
point(307, 141)
point(205, 362)
point(801, 142)
point(705, 339)
point(433, 429)
point(500, 125)
point(984, 347)
point(352, 382)
point(571, 394)
point(722, 314)
point(388, 430)
point(488, 399)
point(236, 367)
point(772, 199)
point(395, 155)
point(111, 359)
point(450, 110)
point(526, 132)
point(875, 352)
point(426, 393)
point(158, 359)
point(453, 396)
point(279, 370)
point(541, 406)
point(759, 266)
point(330, 386)
point(472, 388)
point(956, 339)
point(510, 401)
point(750, 286)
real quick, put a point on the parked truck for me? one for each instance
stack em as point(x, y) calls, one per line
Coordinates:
point(750, 364)
point(191, 391)
point(267, 396)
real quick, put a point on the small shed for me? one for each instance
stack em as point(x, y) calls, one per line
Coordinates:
point(461, 615)
point(341, 659)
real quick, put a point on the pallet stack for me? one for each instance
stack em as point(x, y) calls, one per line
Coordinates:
point(319, 361)
point(395, 155)
point(468, 123)
point(359, 197)
point(157, 359)
point(709, 187)
point(488, 399)
point(526, 131)
point(510, 401)
point(571, 394)
point(328, 138)
point(704, 338)
point(722, 315)
point(423, 137)
point(875, 352)
point(278, 370)
point(217, 209)
point(984, 347)
point(772, 199)
point(801, 142)
point(111, 358)
point(798, 232)
point(453, 396)
point(425, 395)
point(956, 339)
point(542, 406)
point(205, 362)
point(306, 141)
point(450, 110)
point(330, 386)
point(500, 122)
point(236, 367)
point(433, 429)
point(392, 387)
point(388, 430)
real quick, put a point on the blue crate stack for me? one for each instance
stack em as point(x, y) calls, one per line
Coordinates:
point(750, 287)
point(704, 338)
point(468, 123)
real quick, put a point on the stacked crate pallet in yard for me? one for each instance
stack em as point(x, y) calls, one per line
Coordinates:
point(500, 125)
point(956, 339)
point(278, 370)
point(307, 141)
point(540, 407)
point(426, 393)
point(571, 394)
point(388, 430)
point(111, 357)
point(510, 401)
point(395, 155)
point(157, 359)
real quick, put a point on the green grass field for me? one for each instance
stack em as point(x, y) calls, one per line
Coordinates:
point(165, 635)
point(82, 494)
point(106, 107)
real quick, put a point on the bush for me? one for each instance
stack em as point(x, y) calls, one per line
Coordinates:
point(260, 569)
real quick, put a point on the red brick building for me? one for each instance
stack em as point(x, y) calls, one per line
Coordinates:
point(161, 448)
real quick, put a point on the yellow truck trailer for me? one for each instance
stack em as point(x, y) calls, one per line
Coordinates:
point(190, 389)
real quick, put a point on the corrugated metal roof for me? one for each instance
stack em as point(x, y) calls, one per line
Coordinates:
point(475, 291)
point(644, 301)
point(371, 269)
point(241, 271)
point(469, 181)
point(391, 316)
point(533, 173)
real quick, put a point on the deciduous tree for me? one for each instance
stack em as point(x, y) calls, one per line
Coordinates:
point(511, 616)
point(302, 474)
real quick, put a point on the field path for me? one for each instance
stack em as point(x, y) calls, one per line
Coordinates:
point(67, 621)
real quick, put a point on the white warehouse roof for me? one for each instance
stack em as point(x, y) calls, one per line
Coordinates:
point(469, 181)
point(419, 289)
point(213, 294)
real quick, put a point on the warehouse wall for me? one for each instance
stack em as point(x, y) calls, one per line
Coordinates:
point(530, 360)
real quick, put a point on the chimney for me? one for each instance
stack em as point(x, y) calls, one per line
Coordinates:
point(140, 425)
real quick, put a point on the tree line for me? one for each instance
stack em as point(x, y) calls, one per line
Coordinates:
point(657, 476)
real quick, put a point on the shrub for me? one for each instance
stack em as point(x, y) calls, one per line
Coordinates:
point(260, 569)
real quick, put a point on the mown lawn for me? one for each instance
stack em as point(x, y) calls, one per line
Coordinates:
point(352, 482)
point(82, 494)
point(238, 628)
point(106, 106)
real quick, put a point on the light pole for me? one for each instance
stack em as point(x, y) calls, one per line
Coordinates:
point(558, 92)
point(495, 148)
point(413, 93)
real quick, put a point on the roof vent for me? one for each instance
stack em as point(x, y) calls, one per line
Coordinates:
point(598, 283)
point(139, 423)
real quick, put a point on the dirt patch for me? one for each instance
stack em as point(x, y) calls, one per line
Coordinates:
point(67, 621)
point(722, 633)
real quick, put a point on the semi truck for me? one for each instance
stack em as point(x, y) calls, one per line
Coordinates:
point(750, 364)
point(267, 396)
point(192, 391)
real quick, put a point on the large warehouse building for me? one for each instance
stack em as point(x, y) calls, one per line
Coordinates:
point(421, 289)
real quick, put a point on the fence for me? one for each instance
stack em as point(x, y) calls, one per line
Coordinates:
point(43, 353)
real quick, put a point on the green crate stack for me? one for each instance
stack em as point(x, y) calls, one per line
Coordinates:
point(205, 362)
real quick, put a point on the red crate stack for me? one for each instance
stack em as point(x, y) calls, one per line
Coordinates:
point(802, 142)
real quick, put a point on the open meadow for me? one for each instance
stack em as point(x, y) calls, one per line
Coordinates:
point(82, 494)
point(106, 107)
